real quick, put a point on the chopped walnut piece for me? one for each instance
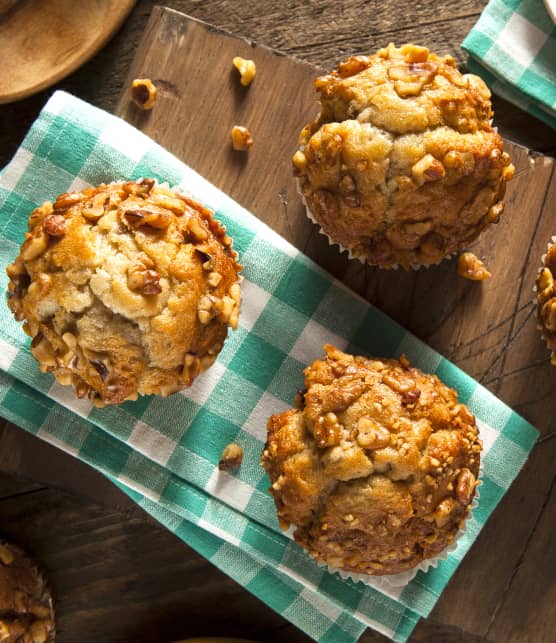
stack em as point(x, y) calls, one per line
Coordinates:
point(299, 161)
point(143, 92)
point(213, 279)
point(232, 457)
point(353, 65)
point(55, 225)
point(34, 246)
point(143, 280)
point(428, 169)
point(471, 267)
point(465, 486)
point(241, 138)
point(191, 367)
point(404, 361)
point(67, 200)
point(6, 555)
point(246, 68)
point(151, 216)
point(371, 435)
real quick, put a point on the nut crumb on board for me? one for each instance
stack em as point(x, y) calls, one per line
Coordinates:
point(241, 138)
point(143, 92)
point(246, 68)
point(232, 457)
point(471, 267)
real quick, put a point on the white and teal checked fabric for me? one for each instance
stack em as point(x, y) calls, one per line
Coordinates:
point(513, 48)
point(164, 452)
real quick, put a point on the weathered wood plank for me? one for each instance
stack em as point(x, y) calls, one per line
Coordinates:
point(288, 27)
point(120, 577)
point(488, 329)
point(526, 612)
point(484, 580)
point(11, 486)
point(484, 328)
point(26, 455)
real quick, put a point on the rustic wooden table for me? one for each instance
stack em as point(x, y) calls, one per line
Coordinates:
point(119, 576)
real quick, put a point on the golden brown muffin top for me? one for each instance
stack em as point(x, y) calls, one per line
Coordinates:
point(26, 611)
point(126, 288)
point(546, 299)
point(377, 468)
point(402, 165)
point(381, 85)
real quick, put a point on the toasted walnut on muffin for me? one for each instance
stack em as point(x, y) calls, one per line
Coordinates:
point(377, 468)
point(126, 289)
point(402, 165)
point(546, 299)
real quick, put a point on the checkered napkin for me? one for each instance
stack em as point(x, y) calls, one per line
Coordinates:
point(513, 48)
point(164, 452)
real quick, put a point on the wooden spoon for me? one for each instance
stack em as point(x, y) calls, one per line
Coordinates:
point(41, 41)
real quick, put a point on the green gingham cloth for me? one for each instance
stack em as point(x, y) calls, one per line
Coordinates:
point(513, 48)
point(164, 452)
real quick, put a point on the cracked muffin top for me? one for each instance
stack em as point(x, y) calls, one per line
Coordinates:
point(26, 610)
point(126, 289)
point(546, 299)
point(377, 468)
point(402, 165)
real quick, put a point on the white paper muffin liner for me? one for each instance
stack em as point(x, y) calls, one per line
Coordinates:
point(394, 582)
point(350, 254)
point(536, 302)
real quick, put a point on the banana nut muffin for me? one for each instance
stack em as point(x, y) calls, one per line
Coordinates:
point(402, 165)
point(377, 468)
point(546, 299)
point(26, 610)
point(125, 288)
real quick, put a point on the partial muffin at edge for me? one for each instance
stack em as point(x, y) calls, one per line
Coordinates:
point(546, 299)
point(377, 468)
point(402, 166)
point(26, 605)
point(127, 288)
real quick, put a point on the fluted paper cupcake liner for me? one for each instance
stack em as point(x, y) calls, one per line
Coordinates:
point(350, 254)
point(396, 581)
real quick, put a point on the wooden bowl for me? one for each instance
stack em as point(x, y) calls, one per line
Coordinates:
point(42, 41)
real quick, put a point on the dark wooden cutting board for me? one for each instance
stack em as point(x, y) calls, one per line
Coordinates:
point(487, 329)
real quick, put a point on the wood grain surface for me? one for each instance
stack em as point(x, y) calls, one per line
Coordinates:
point(487, 328)
point(320, 32)
point(503, 591)
point(41, 41)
